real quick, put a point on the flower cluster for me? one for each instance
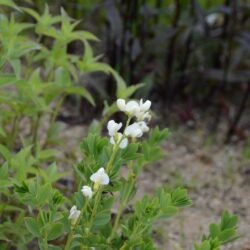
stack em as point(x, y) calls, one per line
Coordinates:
point(133, 108)
point(99, 178)
point(115, 136)
point(139, 110)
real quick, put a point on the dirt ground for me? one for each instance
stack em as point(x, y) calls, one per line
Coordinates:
point(216, 176)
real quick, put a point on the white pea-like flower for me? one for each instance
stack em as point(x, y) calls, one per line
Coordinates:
point(132, 107)
point(143, 114)
point(133, 130)
point(116, 139)
point(100, 177)
point(74, 214)
point(121, 104)
point(144, 107)
point(87, 191)
point(143, 126)
point(138, 109)
point(113, 127)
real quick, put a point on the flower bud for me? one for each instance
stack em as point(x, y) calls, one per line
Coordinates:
point(87, 191)
point(74, 215)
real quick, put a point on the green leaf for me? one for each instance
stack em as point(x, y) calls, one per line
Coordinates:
point(5, 184)
point(227, 235)
point(228, 221)
point(16, 65)
point(180, 198)
point(32, 13)
point(46, 154)
point(82, 92)
point(129, 91)
point(51, 175)
point(55, 231)
point(22, 189)
point(2, 132)
point(205, 245)
point(169, 211)
point(4, 151)
point(130, 152)
point(85, 35)
point(44, 193)
point(6, 79)
point(157, 136)
point(214, 230)
point(32, 227)
point(102, 218)
point(220, 234)
point(9, 3)
point(62, 77)
point(4, 170)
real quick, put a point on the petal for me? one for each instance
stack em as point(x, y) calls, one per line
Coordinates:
point(101, 170)
point(73, 209)
point(105, 179)
point(133, 130)
point(111, 127)
point(94, 177)
point(119, 125)
point(132, 107)
point(121, 104)
point(143, 126)
point(124, 143)
point(145, 106)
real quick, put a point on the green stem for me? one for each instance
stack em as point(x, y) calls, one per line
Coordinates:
point(71, 234)
point(96, 203)
point(53, 117)
point(124, 246)
point(13, 132)
point(109, 165)
point(117, 220)
point(45, 239)
point(115, 148)
point(123, 204)
point(46, 247)
point(35, 132)
point(120, 212)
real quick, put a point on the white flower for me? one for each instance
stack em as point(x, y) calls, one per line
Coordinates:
point(122, 144)
point(113, 127)
point(87, 191)
point(134, 130)
point(143, 126)
point(74, 214)
point(145, 106)
point(116, 137)
point(212, 19)
point(143, 116)
point(100, 177)
point(121, 104)
point(132, 107)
